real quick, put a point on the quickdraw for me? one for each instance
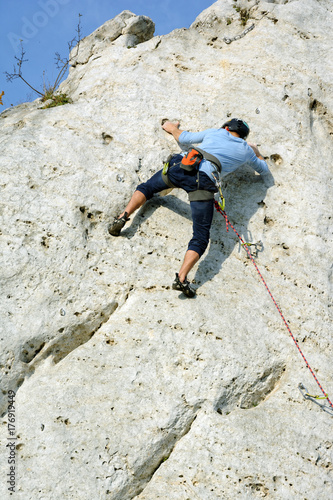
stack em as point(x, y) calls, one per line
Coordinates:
point(258, 247)
point(166, 165)
point(309, 396)
point(315, 399)
point(165, 168)
point(221, 201)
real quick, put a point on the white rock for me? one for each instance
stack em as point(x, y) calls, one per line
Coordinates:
point(124, 388)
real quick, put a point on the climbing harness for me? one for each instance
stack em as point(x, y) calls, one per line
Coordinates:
point(237, 37)
point(245, 246)
point(191, 162)
point(194, 156)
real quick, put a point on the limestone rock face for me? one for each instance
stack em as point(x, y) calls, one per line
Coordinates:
point(123, 388)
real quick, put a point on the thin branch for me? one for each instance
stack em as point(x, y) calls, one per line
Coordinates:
point(61, 64)
point(76, 40)
point(35, 90)
point(18, 73)
point(60, 76)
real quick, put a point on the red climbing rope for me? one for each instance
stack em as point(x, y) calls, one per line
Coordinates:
point(222, 212)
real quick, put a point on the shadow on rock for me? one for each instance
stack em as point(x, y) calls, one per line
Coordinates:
point(244, 192)
point(171, 202)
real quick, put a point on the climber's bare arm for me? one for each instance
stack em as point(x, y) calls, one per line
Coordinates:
point(256, 151)
point(172, 128)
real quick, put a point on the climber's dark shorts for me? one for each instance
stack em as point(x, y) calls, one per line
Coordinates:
point(202, 211)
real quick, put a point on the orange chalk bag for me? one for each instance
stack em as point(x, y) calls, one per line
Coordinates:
point(192, 160)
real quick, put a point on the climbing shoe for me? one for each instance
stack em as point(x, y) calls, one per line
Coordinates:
point(117, 225)
point(184, 287)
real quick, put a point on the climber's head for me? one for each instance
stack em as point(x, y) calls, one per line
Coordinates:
point(239, 126)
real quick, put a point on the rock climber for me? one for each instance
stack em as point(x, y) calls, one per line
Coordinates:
point(222, 151)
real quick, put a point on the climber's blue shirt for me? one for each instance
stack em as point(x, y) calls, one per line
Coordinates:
point(231, 151)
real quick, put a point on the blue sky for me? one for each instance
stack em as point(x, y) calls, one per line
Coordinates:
point(46, 27)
